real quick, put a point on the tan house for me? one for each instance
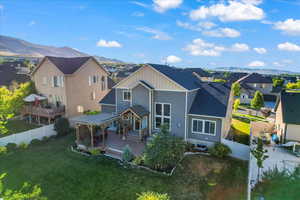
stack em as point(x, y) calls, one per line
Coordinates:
point(76, 83)
point(288, 116)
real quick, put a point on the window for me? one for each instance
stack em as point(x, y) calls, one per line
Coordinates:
point(44, 80)
point(55, 81)
point(93, 95)
point(162, 114)
point(103, 87)
point(95, 78)
point(200, 126)
point(126, 95)
point(80, 109)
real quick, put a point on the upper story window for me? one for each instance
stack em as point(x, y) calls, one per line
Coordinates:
point(206, 127)
point(162, 115)
point(94, 79)
point(103, 83)
point(57, 81)
point(126, 95)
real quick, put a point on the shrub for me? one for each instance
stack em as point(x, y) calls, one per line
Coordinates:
point(95, 152)
point(45, 138)
point(127, 154)
point(62, 126)
point(220, 150)
point(35, 142)
point(189, 147)
point(11, 146)
point(23, 145)
point(164, 151)
point(3, 150)
point(139, 160)
point(153, 196)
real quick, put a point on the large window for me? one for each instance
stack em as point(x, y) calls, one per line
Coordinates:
point(126, 95)
point(200, 126)
point(162, 115)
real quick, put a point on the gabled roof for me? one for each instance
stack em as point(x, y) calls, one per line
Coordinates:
point(138, 110)
point(234, 76)
point(211, 100)
point(109, 98)
point(183, 77)
point(255, 78)
point(290, 102)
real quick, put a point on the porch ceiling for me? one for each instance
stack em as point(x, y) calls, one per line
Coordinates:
point(95, 119)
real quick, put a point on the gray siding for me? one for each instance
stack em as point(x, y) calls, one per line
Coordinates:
point(140, 96)
point(108, 108)
point(216, 138)
point(121, 105)
point(190, 98)
point(177, 101)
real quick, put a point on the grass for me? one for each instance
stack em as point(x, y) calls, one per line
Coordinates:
point(250, 117)
point(65, 175)
point(17, 126)
point(241, 130)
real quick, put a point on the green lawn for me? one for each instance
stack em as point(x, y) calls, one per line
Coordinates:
point(250, 117)
point(17, 126)
point(241, 130)
point(65, 175)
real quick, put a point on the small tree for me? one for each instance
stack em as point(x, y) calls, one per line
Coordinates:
point(260, 154)
point(278, 82)
point(236, 87)
point(258, 101)
point(25, 193)
point(236, 104)
point(62, 126)
point(127, 154)
point(153, 196)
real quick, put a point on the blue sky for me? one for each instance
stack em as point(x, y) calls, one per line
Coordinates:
point(184, 33)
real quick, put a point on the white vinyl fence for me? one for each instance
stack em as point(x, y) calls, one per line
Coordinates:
point(28, 136)
point(240, 151)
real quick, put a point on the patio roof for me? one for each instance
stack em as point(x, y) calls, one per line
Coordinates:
point(138, 110)
point(95, 119)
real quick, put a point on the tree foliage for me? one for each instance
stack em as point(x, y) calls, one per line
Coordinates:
point(258, 101)
point(153, 196)
point(293, 85)
point(27, 192)
point(62, 126)
point(236, 87)
point(164, 151)
point(219, 80)
point(127, 154)
point(260, 154)
point(236, 104)
point(278, 82)
point(220, 150)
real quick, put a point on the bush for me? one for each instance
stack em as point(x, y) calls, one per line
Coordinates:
point(190, 147)
point(220, 150)
point(95, 152)
point(23, 145)
point(35, 142)
point(11, 146)
point(3, 150)
point(153, 196)
point(127, 154)
point(139, 160)
point(164, 151)
point(62, 126)
point(45, 138)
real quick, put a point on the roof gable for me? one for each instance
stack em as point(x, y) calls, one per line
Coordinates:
point(256, 78)
point(290, 102)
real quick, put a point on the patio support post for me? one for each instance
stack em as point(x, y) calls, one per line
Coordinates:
point(140, 129)
point(77, 133)
point(103, 135)
point(49, 120)
point(92, 136)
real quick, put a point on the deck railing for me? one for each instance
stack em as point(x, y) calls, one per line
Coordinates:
point(45, 112)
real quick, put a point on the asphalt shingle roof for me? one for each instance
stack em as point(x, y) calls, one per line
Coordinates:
point(290, 107)
point(109, 98)
point(211, 99)
point(137, 109)
point(256, 78)
point(68, 65)
point(183, 77)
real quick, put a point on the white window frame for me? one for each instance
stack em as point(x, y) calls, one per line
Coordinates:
point(162, 116)
point(203, 127)
point(124, 96)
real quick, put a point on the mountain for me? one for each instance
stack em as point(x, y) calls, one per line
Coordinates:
point(251, 70)
point(10, 46)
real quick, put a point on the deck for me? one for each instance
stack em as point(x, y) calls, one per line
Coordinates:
point(43, 112)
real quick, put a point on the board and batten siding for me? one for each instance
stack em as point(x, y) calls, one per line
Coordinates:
point(121, 105)
point(177, 101)
point(140, 96)
point(205, 137)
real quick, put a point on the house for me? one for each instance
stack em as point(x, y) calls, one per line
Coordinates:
point(255, 82)
point(10, 72)
point(199, 112)
point(76, 83)
point(287, 121)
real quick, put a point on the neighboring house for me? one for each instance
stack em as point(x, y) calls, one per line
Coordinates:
point(288, 116)
point(77, 83)
point(197, 111)
point(235, 76)
point(255, 82)
point(12, 72)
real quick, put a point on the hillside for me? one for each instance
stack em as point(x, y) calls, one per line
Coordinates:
point(251, 70)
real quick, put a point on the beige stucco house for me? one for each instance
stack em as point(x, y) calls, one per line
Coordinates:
point(288, 116)
point(77, 83)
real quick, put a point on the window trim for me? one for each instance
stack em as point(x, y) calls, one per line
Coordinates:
point(162, 116)
point(203, 127)
point(123, 95)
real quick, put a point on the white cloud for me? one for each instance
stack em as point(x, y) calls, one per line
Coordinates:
point(31, 23)
point(157, 34)
point(138, 14)
point(282, 63)
point(254, 2)
point(199, 47)
point(139, 4)
point(172, 59)
point(189, 26)
point(289, 26)
point(239, 47)
point(164, 5)
point(109, 44)
point(287, 46)
point(256, 63)
point(222, 32)
point(260, 50)
point(233, 11)
point(206, 25)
